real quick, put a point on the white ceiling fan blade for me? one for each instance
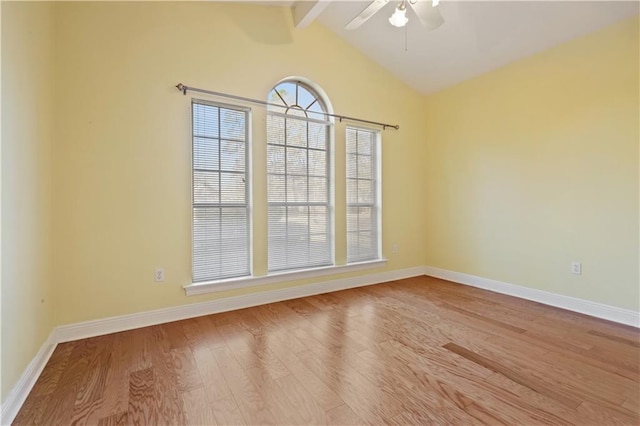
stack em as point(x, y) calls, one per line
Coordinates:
point(367, 13)
point(429, 16)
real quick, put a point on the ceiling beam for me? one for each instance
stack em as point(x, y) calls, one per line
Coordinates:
point(305, 12)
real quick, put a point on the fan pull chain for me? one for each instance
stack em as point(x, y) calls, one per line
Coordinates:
point(405, 37)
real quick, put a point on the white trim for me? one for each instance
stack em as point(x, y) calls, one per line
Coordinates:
point(99, 327)
point(16, 397)
point(594, 309)
point(242, 282)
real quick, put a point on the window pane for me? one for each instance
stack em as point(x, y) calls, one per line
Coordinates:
point(232, 124)
point(297, 189)
point(232, 156)
point(275, 129)
point(296, 161)
point(317, 190)
point(205, 121)
point(220, 231)
point(275, 159)
point(296, 132)
point(318, 135)
point(298, 231)
point(276, 193)
point(362, 220)
point(317, 163)
point(233, 188)
point(205, 153)
point(364, 167)
point(206, 188)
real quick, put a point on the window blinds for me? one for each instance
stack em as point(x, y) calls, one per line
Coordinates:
point(298, 192)
point(220, 189)
point(362, 198)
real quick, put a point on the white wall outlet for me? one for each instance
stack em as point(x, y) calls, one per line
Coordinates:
point(394, 248)
point(159, 275)
point(576, 268)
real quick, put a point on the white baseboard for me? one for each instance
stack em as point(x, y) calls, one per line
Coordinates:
point(99, 327)
point(594, 309)
point(20, 391)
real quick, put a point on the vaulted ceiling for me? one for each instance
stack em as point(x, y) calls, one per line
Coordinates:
point(477, 36)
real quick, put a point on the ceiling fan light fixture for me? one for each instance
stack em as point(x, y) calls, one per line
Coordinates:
point(399, 18)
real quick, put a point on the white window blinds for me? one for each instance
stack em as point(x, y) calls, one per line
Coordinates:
point(298, 191)
point(363, 206)
point(220, 192)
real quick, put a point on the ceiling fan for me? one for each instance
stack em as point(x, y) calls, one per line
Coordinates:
point(426, 11)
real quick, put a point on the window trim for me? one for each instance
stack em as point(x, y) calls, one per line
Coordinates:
point(248, 187)
point(280, 277)
point(323, 100)
point(377, 167)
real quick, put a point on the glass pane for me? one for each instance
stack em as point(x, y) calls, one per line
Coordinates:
point(288, 92)
point(352, 191)
point(277, 222)
point(318, 220)
point(364, 167)
point(365, 219)
point(296, 132)
point(205, 121)
point(232, 156)
point(352, 162)
point(276, 189)
point(365, 143)
point(318, 135)
point(275, 159)
point(205, 187)
point(296, 189)
point(297, 222)
point(365, 191)
point(317, 190)
point(233, 188)
point(351, 141)
point(275, 130)
point(205, 153)
point(296, 161)
point(232, 124)
point(317, 163)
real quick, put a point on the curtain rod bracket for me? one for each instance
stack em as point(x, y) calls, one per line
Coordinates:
point(181, 87)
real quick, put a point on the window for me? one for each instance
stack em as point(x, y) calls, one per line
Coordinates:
point(298, 183)
point(363, 200)
point(220, 192)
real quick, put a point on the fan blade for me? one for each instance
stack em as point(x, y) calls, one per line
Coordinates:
point(367, 13)
point(429, 16)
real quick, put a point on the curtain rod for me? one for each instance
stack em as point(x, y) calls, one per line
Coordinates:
point(181, 87)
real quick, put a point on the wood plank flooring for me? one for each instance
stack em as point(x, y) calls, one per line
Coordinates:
point(415, 351)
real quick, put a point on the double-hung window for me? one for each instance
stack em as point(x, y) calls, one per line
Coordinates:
point(363, 198)
point(220, 191)
point(298, 179)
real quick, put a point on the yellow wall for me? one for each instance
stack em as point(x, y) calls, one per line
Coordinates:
point(535, 165)
point(122, 158)
point(27, 98)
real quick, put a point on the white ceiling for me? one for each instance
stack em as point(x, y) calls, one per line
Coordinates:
point(476, 37)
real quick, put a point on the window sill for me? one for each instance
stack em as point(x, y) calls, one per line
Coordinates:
point(242, 282)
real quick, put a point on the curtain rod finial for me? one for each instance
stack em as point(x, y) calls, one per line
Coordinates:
point(181, 87)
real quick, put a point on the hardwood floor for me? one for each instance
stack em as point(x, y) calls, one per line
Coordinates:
point(416, 351)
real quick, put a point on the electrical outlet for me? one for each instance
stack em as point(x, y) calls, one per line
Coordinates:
point(576, 268)
point(159, 275)
point(394, 248)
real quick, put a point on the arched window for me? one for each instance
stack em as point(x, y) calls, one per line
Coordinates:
point(298, 178)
